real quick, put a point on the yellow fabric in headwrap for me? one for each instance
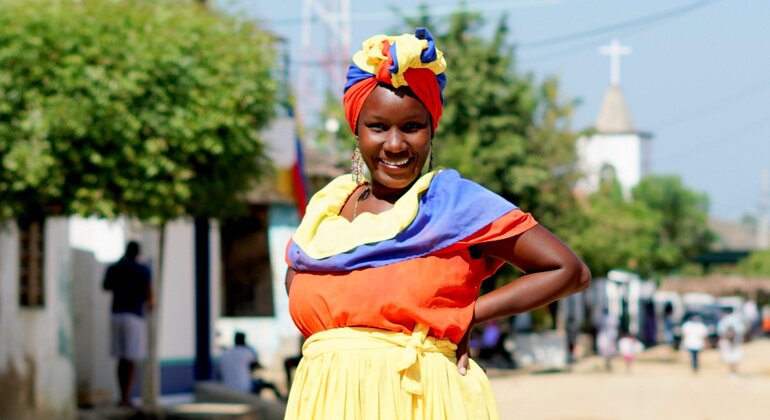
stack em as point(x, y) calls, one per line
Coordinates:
point(368, 373)
point(408, 51)
point(323, 232)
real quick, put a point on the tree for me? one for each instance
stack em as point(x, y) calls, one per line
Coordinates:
point(614, 233)
point(683, 220)
point(139, 108)
point(658, 230)
point(756, 264)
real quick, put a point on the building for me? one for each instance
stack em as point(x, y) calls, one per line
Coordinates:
point(614, 148)
point(54, 315)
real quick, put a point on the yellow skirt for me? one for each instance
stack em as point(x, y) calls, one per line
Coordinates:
point(368, 373)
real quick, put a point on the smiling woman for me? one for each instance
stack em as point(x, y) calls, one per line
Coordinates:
point(384, 273)
point(394, 140)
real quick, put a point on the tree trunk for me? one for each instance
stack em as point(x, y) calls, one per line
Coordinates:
point(151, 376)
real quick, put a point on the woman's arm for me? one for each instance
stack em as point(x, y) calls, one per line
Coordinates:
point(289, 278)
point(551, 269)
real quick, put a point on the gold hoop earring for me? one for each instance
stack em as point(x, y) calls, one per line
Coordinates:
point(432, 152)
point(357, 166)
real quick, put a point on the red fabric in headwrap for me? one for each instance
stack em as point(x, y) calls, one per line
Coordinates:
point(354, 98)
point(422, 82)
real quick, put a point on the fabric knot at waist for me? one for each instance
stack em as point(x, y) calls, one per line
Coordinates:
point(411, 347)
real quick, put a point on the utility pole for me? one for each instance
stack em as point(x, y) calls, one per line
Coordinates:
point(326, 54)
point(763, 222)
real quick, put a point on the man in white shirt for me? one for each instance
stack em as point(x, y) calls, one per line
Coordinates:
point(236, 366)
point(694, 333)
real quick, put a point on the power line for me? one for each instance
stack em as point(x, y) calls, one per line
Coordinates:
point(396, 14)
point(644, 20)
point(574, 49)
point(714, 105)
point(732, 135)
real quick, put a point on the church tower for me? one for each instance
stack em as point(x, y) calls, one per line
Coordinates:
point(615, 148)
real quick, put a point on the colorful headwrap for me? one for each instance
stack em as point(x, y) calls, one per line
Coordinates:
point(404, 60)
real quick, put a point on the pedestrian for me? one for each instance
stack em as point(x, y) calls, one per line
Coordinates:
point(384, 272)
point(766, 320)
point(731, 330)
point(606, 338)
point(694, 333)
point(237, 365)
point(730, 349)
point(129, 282)
point(629, 347)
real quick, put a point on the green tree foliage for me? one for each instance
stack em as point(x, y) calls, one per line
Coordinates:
point(143, 108)
point(682, 216)
point(756, 264)
point(614, 233)
point(658, 230)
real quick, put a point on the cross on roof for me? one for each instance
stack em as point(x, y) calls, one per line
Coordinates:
point(615, 50)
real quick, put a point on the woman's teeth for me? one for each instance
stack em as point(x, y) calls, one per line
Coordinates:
point(401, 162)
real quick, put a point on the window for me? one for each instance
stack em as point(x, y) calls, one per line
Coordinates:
point(248, 280)
point(31, 263)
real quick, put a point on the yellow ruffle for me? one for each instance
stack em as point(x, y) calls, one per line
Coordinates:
point(368, 373)
point(323, 232)
point(408, 51)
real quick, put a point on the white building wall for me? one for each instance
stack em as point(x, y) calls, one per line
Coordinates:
point(177, 304)
point(37, 375)
point(94, 366)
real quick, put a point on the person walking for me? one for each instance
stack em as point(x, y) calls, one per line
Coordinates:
point(629, 347)
point(384, 271)
point(731, 330)
point(606, 338)
point(694, 333)
point(129, 282)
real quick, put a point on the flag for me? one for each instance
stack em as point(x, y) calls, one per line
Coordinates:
point(299, 181)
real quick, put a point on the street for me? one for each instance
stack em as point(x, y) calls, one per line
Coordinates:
point(659, 386)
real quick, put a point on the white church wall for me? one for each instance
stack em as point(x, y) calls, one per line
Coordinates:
point(621, 151)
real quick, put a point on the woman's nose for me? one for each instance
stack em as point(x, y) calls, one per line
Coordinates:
point(396, 141)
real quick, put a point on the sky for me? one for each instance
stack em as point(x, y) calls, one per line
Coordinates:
point(697, 78)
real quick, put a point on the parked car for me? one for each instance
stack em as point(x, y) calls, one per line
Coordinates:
point(709, 315)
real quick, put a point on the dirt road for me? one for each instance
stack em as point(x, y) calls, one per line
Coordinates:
point(659, 386)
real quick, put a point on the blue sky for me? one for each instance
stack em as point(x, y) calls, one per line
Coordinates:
point(698, 78)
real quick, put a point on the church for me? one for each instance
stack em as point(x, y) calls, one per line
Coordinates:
point(614, 148)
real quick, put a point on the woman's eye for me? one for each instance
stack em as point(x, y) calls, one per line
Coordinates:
point(376, 127)
point(413, 126)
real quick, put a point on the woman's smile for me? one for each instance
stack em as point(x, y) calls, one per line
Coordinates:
point(394, 134)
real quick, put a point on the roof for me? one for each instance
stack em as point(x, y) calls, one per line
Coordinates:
point(732, 236)
point(613, 115)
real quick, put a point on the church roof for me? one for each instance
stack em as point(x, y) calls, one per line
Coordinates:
point(613, 115)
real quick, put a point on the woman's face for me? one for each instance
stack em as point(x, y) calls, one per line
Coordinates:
point(394, 132)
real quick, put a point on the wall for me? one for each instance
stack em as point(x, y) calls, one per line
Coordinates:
point(625, 152)
point(37, 374)
point(274, 338)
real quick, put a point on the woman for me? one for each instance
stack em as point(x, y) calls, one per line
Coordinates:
point(384, 273)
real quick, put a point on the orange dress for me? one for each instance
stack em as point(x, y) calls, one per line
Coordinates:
point(384, 299)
